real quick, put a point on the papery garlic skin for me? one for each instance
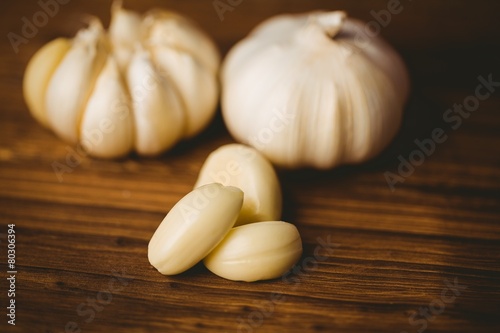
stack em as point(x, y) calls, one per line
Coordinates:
point(307, 92)
point(245, 168)
point(256, 251)
point(193, 227)
point(159, 87)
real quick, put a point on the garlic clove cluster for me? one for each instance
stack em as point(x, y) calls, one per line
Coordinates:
point(144, 85)
point(313, 90)
point(245, 168)
point(201, 224)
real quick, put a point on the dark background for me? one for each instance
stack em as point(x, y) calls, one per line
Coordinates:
point(394, 251)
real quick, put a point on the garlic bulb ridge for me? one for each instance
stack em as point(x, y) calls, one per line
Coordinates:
point(144, 85)
point(313, 90)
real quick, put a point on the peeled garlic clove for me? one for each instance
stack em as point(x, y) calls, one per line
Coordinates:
point(196, 85)
point(313, 90)
point(107, 129)
point(158, 115)
point(38, 72)
point(244, 167)
point(256, 251)
point(73, 80)
point(193, 227)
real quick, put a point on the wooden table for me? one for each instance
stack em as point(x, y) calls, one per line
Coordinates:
point(425, 257)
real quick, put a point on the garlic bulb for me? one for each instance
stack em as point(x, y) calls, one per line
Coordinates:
point(144, 85)
point(314, 90)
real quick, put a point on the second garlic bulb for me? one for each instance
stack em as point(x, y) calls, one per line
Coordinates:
point(144, 85)
point(314, 90)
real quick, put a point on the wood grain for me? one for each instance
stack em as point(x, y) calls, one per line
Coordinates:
point(394, 252)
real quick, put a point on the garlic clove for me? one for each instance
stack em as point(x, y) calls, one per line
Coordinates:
point(166, 28)
point(245, 168)
point(256, 251)
point(73, 80)
point(107, 129)
point(196, 85)
point(38, 72)
point(158, 114)
point(124, 32)
point(193, 227)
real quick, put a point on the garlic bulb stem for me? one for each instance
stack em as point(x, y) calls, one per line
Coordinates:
point(331, 22)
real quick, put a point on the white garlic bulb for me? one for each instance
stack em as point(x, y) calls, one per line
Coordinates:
point(147, 83)
point(313, 90)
